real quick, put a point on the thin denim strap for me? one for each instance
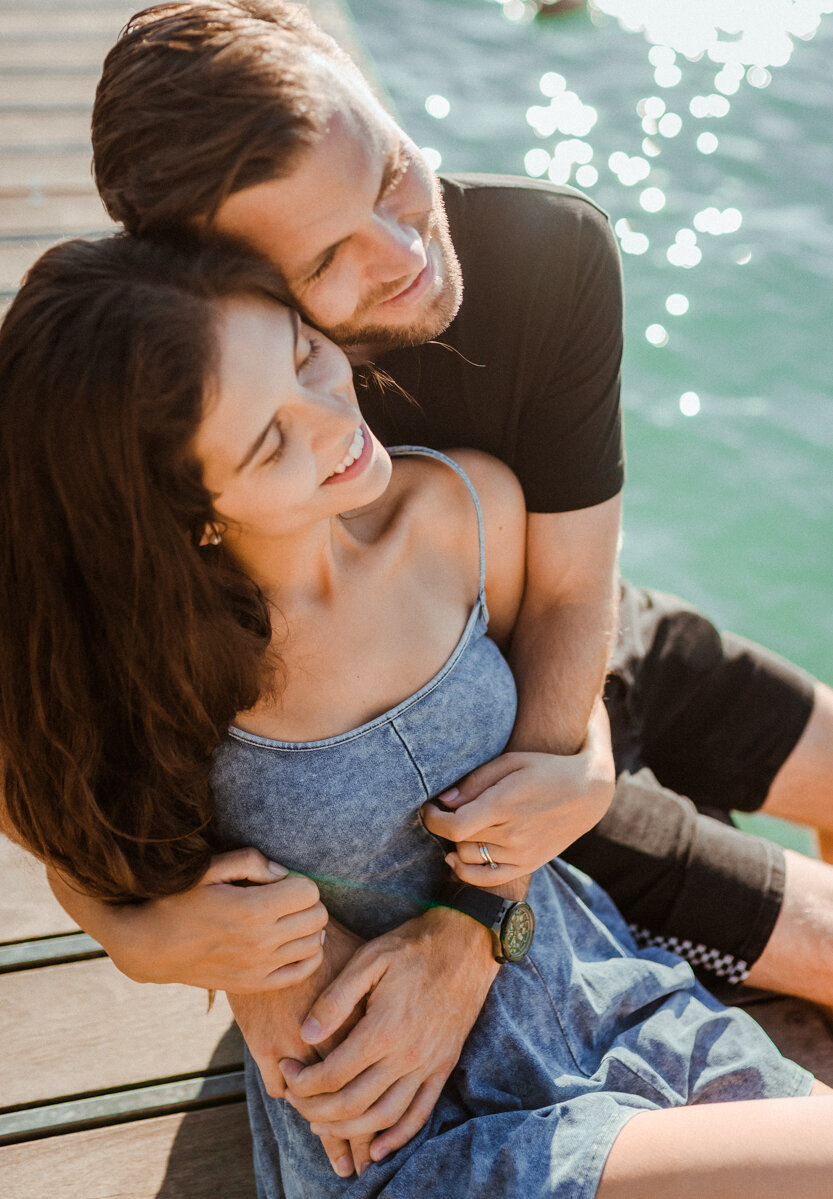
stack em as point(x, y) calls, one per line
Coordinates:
point(402, 451)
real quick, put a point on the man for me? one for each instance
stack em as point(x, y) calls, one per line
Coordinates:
point(244, 120)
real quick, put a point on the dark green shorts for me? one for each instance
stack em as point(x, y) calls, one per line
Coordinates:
point(701, 722)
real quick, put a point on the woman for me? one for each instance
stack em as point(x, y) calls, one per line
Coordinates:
point(230, 619)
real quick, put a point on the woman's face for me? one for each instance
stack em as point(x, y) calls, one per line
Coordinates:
point(282, 442)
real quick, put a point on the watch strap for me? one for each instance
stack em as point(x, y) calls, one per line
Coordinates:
point(484, 906)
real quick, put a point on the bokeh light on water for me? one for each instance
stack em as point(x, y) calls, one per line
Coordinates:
point(703, 129)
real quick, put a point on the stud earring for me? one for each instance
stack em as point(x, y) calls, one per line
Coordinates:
point(211, 536)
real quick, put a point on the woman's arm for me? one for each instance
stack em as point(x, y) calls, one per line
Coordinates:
point(219, 935)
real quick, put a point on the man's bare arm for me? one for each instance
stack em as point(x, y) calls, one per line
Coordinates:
point(556, 779)
point(566, 625)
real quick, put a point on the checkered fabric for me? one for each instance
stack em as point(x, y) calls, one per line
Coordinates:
point(722, 965)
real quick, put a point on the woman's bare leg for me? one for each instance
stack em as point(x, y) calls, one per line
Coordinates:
point(755, 1149)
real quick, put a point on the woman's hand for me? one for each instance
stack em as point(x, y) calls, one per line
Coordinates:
point(219, 934)
point(526, 808)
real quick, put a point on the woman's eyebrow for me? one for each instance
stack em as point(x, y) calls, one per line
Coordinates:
point(295, 321)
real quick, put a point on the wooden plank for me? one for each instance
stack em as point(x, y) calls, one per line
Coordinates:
point(81, 21)
point(46, 54)
point(104, 1108)
point(27, 906)
point(31, 129)
point(194, 1156)
point(69, 171)
point(801, 1030)
point(49, 6)
point(56, 213)
point(71, 1029)
point(48, 951)
point(77, 88)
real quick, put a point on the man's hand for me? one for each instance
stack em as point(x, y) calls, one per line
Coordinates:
point(423, 985)
point(216, 935)
point(525, 807)
point(270, 1023)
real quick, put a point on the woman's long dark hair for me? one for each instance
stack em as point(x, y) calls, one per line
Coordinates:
point(125, 648)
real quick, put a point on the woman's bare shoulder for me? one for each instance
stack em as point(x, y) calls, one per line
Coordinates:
point(504, 526)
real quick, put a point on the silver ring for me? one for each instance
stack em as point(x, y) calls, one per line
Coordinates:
point(486, 856)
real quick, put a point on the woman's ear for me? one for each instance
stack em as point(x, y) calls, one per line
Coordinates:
point(211, 535)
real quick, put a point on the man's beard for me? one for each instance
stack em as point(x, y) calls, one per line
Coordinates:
point(429, 323)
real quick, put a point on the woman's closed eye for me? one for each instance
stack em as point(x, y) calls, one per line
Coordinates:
point(314, 346)
point(310, 352)
point(278, 450)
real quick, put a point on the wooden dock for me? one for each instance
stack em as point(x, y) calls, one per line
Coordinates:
point(108, 1089)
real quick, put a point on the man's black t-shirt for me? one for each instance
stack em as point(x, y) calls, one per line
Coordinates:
point(529, 368)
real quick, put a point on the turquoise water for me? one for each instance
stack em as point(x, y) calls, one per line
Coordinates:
point(729, 500)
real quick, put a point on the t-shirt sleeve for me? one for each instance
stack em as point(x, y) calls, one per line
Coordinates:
point(569, 452)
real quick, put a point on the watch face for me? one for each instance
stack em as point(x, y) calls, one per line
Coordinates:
point(517, 931)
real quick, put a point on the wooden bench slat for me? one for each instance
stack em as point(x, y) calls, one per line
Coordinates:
point(86, 54)
point(116, 1107)
point(89, 21)
point(27, 906)
point(61, 214)
point(83, 1027)
point(191, 1156)
point(57, 87)
point(50, 128)
point(799, 1029)
point(68, 171)
point(48, 951)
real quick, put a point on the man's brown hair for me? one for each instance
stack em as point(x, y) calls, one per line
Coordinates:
point(198, 100)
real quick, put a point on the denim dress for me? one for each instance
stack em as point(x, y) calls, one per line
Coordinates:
point(571, 1043)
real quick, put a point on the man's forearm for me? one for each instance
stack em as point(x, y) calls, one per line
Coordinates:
point(559, 657)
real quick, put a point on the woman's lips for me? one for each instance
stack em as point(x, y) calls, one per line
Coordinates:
point(356, 467)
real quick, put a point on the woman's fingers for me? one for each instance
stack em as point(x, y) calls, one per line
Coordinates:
point(291, 895)
point(481, 853)
point(299, 949)
point(299, 926)
point(243, 865)
point(484, 818)
point(478, 875)
point(294, 972)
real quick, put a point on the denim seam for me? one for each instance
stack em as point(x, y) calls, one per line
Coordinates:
point(531, 961)
point(413, 760)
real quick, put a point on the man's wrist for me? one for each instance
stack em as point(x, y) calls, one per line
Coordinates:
point(463, 940)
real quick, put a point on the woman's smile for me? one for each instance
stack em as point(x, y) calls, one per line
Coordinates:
point(282, 422)
point(356, 458)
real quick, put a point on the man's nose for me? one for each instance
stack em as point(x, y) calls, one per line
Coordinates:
point(397, 250)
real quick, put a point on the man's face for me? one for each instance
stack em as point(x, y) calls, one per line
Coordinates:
point(358, 229)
